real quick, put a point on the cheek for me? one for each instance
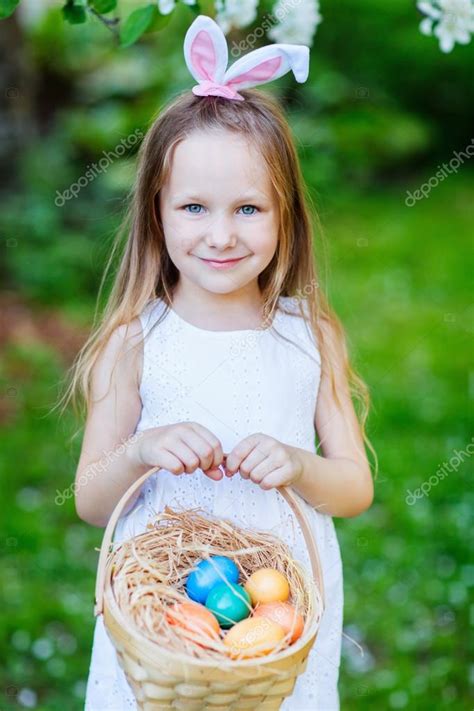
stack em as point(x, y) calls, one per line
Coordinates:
point(264, 239)
point(180, 235)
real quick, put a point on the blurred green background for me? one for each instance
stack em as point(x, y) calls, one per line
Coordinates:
point(382, 109)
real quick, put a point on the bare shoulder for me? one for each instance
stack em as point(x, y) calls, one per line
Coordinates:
point(119, 360)
point(115, 404)
point(334, 343)
point(336, 421)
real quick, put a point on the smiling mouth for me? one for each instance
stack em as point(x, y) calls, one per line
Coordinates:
point(223, 263)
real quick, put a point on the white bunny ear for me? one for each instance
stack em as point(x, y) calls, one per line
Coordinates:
point(268, 63)
point(205, 50)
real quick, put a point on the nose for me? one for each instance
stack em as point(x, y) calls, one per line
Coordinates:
point(220, 232)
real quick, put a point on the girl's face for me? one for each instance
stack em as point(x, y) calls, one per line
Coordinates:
point(219, 212)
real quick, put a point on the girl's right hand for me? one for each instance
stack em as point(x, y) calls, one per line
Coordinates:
point(180, 448)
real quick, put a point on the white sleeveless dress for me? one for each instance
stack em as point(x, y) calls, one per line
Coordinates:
point(235, 383)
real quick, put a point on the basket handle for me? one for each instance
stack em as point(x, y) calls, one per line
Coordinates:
point(285, 491)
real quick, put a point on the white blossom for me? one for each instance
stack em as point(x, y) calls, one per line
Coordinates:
point(31, 12)
point(450, 21)
point(167, 6)
point(235, 13)
point(297, 21)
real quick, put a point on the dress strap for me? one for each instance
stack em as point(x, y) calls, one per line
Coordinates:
point(150, 314)
point(298, 328)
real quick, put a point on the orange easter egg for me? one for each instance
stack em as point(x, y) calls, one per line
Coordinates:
point(253, 637)
point(267, 585)
point(193, 617)
point(284, 615)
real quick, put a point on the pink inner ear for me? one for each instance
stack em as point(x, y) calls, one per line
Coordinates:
point(261, 73)
point(203, 55)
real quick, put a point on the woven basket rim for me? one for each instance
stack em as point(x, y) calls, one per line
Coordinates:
point(115, 611)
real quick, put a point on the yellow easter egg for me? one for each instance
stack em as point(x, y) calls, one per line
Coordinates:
point(253, 637)
point(267, 585)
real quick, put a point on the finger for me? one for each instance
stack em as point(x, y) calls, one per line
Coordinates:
point(241, 451)
point(227, 472)
point(170, 462)
point(278, 477)
point(255, 458)
point(201, 447)
point(213, 441)
point(265, 467)
point(189, 458)
point(214, 474)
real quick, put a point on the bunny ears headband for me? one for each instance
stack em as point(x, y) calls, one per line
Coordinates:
point(205, 52)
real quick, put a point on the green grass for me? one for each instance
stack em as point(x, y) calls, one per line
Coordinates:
point(401, 281)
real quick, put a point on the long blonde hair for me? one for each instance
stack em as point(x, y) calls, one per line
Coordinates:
point(145, 270)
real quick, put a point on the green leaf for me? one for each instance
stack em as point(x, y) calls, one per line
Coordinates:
point(137, 23)
point(7, 7)
point(74, 13)
point(160, 22)
point(103, 6)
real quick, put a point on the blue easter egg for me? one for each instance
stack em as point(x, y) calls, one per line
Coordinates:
point(209, 573)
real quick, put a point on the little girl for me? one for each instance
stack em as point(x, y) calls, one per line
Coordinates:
point(218, 358)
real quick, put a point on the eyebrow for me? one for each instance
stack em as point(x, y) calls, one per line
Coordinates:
point(241, 198)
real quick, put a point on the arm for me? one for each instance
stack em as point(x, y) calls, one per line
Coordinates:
point(340, 482)
point(108, 468)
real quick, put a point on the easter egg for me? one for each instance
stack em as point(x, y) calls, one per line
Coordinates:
point(284, 615)
point(229, 603)
point(195, 618)
point(267, 585)
point(209, 573)
point(253, 637)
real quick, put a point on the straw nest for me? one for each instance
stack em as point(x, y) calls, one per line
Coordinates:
point(149, 572)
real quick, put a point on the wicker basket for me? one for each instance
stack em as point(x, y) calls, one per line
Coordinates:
point(163, 679)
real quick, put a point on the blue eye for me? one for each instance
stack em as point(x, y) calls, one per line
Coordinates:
point(252, 207)
point(193, 204)
point(197, 212)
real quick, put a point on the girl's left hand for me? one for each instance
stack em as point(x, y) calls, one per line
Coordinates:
point(266, 461)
